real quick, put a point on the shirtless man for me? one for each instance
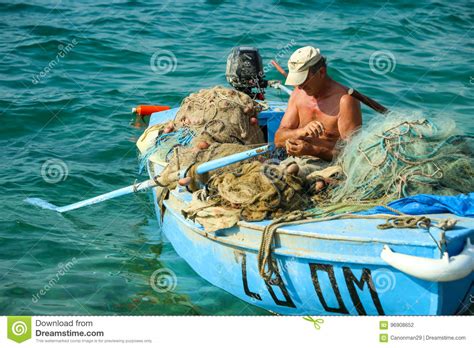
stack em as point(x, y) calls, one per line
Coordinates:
point(319, 113)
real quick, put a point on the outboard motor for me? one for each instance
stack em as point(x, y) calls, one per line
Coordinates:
point(244, 71)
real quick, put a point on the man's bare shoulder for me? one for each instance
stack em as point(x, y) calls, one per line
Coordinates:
point(300, 99)
point(297, 95)
point(348, 101)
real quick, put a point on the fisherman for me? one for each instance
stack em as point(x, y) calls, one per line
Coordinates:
point(319, 113)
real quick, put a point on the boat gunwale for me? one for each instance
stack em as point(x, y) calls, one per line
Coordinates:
point(287, 252)
point(282, 230)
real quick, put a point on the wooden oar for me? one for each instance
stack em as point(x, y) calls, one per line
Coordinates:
point(351, 91)
point(368, 101)
point(144, 185)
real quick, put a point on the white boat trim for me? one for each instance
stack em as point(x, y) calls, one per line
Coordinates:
point(446, 269)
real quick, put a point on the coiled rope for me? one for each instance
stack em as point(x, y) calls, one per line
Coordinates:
point(267, 266)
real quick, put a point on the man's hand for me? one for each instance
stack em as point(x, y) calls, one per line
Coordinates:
point(299, 147)
point(313, 129)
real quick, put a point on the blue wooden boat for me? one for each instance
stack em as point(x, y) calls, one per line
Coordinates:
point(328, 268)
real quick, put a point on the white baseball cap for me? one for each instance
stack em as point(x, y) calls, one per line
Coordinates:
point(300, 62)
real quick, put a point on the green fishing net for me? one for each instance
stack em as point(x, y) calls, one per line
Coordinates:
point(400, 156)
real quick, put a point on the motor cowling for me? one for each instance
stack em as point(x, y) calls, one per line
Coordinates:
point(245, 70)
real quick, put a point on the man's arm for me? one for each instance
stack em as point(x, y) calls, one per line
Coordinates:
point(350, 116)
point(301, 147)
point(289, 126)
point(289, 123)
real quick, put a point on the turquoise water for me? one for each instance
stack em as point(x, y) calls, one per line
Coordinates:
point(70, 73)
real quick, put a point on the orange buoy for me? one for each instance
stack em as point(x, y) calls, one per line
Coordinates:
point(202, 145)
point(184, 181)
point(146, 110)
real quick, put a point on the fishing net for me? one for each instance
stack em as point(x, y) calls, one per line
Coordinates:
point(157, 146)
point(189, 159)
point(220, 115)
point(389, 159)
point(403, 156)
point(256, 193)
point(251, 191)
point(210, 124)
point(396, 157)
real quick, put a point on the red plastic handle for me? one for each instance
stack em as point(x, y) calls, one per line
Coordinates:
point(146, 110)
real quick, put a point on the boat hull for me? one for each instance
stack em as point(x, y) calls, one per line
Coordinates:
point(328, 268)
point(344, 283)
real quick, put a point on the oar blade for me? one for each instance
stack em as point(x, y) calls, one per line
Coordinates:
point(38, 202)
point(144, 185)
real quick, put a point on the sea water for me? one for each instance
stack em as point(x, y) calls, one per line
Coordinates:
point(70, 73)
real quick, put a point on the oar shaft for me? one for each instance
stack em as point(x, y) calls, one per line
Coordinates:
point(106, 196)
point(228, 160)
point(368, 101)
point(202, 169)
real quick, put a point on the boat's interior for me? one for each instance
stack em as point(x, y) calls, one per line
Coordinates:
point(355, 231)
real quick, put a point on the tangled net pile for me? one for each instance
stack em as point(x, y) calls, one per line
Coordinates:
point(402, 156)
point(218, 117)
point(256, 193)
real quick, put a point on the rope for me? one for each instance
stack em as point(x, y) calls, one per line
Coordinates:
point(267, 266)
point(406, 222)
